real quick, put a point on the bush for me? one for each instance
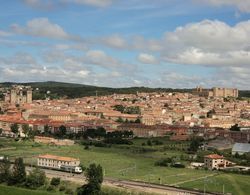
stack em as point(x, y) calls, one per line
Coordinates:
point(86, 147)
point(69, 191)
point(118, 141)
point(163, 162)
point(157, 142)
point(35, 179)
point(100, 144)
point(50, 188)
point(55, 181)
point(62, 188)
point(178, 165)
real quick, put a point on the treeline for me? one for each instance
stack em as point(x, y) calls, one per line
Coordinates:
point(70, 90)
point(16, 174)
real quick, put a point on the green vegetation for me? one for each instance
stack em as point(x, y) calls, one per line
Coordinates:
point(11, 190)
point(128, 110)
point(56, 90)
point(70, 90)
point(94, 177)
point(135, 162)
point(35, 179)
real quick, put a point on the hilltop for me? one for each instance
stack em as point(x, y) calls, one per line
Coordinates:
point(73, 90)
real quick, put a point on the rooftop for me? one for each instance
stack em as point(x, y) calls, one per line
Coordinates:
point(61, 158)
point(214, 156)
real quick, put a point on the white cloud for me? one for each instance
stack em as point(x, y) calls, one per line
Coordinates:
point(42, 27)
point(99, 57)
point(115, 41)
point(209, 43)
point(147, 58)
point(242, 5)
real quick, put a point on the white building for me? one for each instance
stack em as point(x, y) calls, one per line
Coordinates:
point(52, 161)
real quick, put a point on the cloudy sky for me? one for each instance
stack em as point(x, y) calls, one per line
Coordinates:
point(118, 43)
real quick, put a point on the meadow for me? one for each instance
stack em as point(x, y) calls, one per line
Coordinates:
point(129, 162)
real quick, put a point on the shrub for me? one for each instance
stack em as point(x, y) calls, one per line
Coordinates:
point(50, 188)
point(69, 191)
point(178, 165)
point(55, 181)
point(163, 162)
point(62, 188)
point(86, 147)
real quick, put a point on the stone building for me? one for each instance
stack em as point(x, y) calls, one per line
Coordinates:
point(216, 92)
point(19, 94)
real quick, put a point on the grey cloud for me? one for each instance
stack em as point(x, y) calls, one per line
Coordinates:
point(42, 27)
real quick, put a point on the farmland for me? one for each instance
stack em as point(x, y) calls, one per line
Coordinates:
point(129, 162)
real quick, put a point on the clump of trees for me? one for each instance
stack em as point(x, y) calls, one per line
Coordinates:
point(127, 110)
point(16, 175)
point(169, 162)
point(94, 177)
point(195, 143)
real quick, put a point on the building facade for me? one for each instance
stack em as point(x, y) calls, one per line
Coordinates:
point(216, 92)
point(19, 95)
point(52, 161)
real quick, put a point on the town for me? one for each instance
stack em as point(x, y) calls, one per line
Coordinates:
point(213, 121)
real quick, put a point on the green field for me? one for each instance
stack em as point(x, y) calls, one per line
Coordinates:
point(127, 163)
point(11, 190)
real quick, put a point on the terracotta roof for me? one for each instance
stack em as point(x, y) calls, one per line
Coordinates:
point(61, 158)
point(214, 156)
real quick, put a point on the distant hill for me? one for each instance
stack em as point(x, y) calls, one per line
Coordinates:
point(71, 90)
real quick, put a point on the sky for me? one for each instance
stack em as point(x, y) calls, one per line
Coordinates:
point(123, 43)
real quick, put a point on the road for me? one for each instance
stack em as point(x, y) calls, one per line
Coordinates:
point(124, 184)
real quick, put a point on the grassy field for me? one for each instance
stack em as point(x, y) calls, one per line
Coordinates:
point(128, 162)
point(10, 190)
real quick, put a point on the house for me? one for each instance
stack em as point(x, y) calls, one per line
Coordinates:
point(240, 148)
point(52, 161)
point(215, 161)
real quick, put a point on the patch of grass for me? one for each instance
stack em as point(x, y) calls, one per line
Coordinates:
point(125, 162)
point(11, 190)
point(233, 183)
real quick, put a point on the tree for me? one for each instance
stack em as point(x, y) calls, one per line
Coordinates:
point(138, 121)
point(25, 128)
point(4, 170)
point(62, 130)
point(55, 181)
point(235, 128)
point(35, 179)
point(46, 130)
point(195, 144)
point(18, 173)
point(94, 177)
point(119, 120)
point(14, 128)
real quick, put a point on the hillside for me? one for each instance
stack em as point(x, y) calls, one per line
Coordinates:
point(72, 90)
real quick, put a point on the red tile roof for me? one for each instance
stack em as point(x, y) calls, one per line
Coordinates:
point(214, 156)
